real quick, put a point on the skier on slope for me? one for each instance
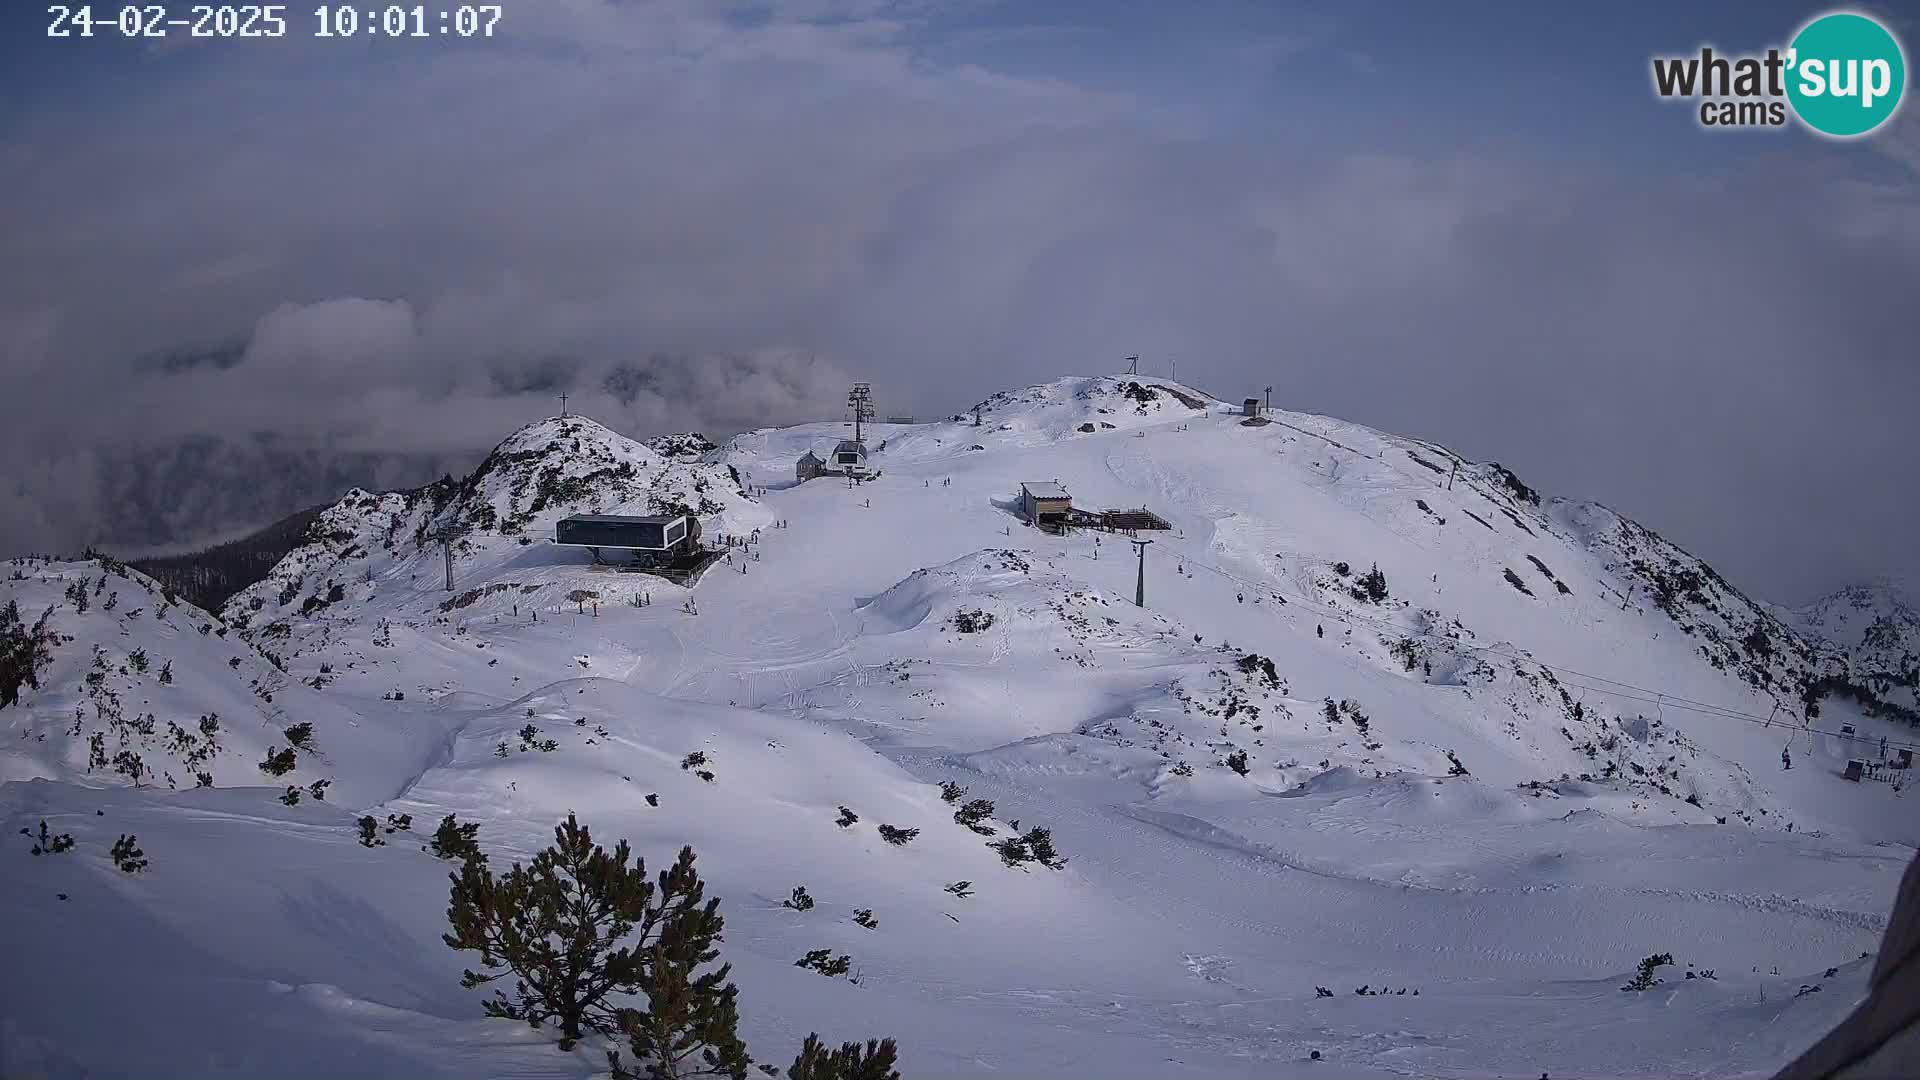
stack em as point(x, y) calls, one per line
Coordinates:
point(1786, 759)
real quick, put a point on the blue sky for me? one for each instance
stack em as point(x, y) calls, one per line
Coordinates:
point(1470, 222)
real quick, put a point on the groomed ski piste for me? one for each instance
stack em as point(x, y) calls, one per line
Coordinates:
point(1425, 829)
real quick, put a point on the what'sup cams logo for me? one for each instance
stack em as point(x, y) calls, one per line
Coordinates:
point(1842, 75)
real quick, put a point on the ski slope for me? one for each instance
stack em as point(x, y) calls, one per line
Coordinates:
point(1524, 793)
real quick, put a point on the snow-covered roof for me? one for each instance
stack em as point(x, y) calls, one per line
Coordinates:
point(808, 456)
point(849, 446)
point(1046, 489)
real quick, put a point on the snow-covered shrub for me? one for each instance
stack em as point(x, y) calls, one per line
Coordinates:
point(130, 765)
point(127, 855)
point(896, 836)
point(1253, 664)
point(50, 843)
point(1036, 845)
point(974, 815)
point(824, 962)
point(972, 621)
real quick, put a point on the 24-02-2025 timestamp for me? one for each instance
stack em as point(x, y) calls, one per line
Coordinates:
point(271, 21)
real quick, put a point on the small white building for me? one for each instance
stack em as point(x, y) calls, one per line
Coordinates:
point(1044, 498)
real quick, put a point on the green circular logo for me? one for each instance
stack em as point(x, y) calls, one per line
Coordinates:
point(1845, 74)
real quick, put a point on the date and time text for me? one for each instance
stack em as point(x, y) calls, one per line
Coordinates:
point(240, 21)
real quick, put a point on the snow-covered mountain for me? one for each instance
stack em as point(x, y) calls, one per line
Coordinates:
point(1389, 719)
point(1876, 626)
point(541, 473)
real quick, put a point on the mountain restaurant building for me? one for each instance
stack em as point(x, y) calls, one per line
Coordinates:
point(654, 535)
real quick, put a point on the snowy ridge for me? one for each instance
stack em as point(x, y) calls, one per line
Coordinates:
point(538, 475)
point(681, 446)
point(1472, 742)
point(150, 691)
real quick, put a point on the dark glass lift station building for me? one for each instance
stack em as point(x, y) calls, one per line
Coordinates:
point(655, 533)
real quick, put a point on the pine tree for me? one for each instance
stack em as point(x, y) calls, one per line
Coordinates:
point(557, 925)
point(1645, 979)
point(25, 651)
point(452, 840)
point(690, 1026)
point(1373, 585)
point(852, 1061)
